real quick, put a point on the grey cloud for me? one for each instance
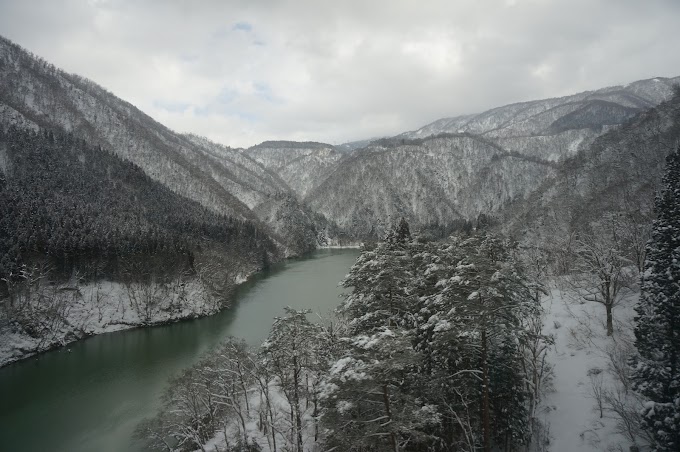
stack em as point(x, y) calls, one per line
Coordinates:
point(337, 71)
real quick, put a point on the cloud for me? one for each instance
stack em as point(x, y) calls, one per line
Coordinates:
point(242, 72)
point(243, 26)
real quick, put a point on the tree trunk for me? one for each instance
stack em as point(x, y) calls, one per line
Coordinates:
point(610, 319)
point(243, 422)
point(271, 418)
point(243, 387)
point(388, 412)
point(296, 401)
point(486, 415)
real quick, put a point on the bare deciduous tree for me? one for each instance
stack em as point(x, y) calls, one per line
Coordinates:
point(601, 270)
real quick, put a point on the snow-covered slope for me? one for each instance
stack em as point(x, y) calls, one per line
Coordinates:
point(556, 128)
point(250, 182)
point(476, 164)
point(33, 94)
point(618, 173)
point(432, 181)
point(301, 165)
point(587, 369)
point(354, 145)
point(605, 106)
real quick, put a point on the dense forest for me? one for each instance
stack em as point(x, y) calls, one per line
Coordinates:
point(82, 208)
point(90, 243)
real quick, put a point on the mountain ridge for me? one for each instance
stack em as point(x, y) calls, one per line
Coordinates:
point(36, 94)
point(475, 164)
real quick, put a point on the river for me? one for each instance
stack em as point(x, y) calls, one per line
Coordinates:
point(91, 395)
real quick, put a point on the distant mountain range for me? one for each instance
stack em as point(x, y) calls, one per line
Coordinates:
point(305, 195)
point(458, 168)
point(590, 109)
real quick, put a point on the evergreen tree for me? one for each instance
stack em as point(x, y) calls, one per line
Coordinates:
point(657, 333)
point(403, 231)
point(370, 397)
point(382, 292)
point(478, 315)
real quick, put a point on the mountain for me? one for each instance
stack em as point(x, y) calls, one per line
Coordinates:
point(81, 208)
point(436, 181)
point(615, 178)
point(354, 145)
point(34, 94)
point(606, 106)
point(310, 194)
point(459, 168)
point(557, 128)
point(301, 165)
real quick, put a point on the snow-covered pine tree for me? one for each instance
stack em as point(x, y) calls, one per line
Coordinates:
point(370, 401)
point(381, 282)
point(508, 393)
point(370, 396)
point(480, 309)
point(403, 231)
point(657, 333)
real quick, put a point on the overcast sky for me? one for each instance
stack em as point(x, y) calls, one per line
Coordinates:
point(241, 72)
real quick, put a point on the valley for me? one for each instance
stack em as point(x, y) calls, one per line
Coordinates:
point(491, 259)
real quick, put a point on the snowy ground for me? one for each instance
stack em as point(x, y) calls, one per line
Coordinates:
point(233, 431)
point(583, 365)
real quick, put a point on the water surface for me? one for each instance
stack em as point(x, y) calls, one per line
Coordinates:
point(91, 396)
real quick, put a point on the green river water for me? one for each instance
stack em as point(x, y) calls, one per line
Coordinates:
point(91, 395)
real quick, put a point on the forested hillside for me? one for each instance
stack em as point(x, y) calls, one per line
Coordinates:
point(459, 168)
point(616, 177)
point(301, 165)
point(34, 94)
point(83, 208)
point(75, 218)
point(436, 181)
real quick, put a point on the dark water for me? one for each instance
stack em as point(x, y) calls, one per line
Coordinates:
point(92, 398)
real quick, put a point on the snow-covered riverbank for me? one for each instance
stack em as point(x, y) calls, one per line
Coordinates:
point(56, 316)
point(355, 246)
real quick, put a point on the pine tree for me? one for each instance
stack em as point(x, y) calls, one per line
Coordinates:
point(403, 231)
point(382, 293)
point(478, 315)
point(657, 333)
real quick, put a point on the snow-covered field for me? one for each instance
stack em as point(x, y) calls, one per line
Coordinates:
point(585, 361)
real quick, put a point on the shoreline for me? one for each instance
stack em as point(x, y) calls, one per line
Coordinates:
point(19, 346)
point(341, 247)
point(80, 325)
